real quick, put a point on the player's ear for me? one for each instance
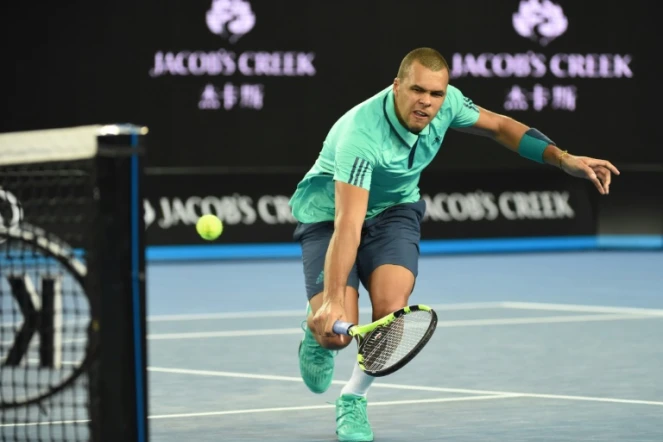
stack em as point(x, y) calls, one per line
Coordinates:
point(397, 82)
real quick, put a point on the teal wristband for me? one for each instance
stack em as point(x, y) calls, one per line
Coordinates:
point(532, 145)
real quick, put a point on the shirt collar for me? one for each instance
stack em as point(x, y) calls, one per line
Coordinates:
point(390, 111)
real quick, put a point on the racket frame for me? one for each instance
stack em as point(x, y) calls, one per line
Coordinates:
point(361, 333)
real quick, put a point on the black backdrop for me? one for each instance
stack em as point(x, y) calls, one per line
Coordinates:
point(78, 63)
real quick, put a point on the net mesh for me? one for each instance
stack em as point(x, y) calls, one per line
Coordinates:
point(46, 219)
point(387, 346)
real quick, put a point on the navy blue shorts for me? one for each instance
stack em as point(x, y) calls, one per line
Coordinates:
point(392, 237)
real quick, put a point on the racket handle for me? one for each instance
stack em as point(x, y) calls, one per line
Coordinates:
point(341, 327)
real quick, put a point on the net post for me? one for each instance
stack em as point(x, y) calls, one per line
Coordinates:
point(122, 406)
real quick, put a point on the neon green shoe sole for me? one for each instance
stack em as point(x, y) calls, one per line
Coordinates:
point(352, 419)
point(316, 363)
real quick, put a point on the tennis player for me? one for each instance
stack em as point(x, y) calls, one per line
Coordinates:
point(359, 209)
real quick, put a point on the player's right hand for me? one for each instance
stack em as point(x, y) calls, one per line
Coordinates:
point(323, 322)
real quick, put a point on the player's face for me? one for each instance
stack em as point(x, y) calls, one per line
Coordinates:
point(419, 96)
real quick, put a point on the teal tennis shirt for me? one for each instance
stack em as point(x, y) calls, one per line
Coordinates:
point(368, 147)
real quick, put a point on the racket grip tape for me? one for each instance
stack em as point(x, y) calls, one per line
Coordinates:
point(342, 327)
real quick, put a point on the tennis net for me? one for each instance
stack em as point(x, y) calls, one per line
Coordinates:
point(57, 209)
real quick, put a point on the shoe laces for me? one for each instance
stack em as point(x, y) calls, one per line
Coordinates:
point(353, 411)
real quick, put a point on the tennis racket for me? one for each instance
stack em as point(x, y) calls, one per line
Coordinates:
point(388, 344)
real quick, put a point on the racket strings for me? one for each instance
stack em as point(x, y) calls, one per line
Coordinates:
point(387, 346)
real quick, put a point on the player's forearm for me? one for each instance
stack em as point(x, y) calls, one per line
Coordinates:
point(340, 258)
point(553, 155)
point(511, 133)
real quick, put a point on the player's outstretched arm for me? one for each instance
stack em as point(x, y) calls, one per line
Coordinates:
point(530, 143)
point(351, 206)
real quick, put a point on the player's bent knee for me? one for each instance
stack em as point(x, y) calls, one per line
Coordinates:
point(390, 287)
point(387, 308)
point(387, 302)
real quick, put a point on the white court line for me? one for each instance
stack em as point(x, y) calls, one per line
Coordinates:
point(440, 307)
point(581, 308)
point(224, 334)
point(283, 409)
point(409, 387)
point(320, 407)
point(440, 324)
point(299, 313)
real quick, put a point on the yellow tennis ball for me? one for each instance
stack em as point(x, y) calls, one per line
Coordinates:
point(209, 227)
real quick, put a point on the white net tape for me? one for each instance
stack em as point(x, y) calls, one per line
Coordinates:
point(64, 144)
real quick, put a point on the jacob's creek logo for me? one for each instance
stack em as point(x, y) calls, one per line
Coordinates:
point(171, 212)
point(543, 22)
point(231, 20)
point(231, 209)
point(478, 206)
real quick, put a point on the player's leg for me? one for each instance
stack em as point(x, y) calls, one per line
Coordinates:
point(390, 286)
point(388, 266)
point(389, 262)
point(316, 362)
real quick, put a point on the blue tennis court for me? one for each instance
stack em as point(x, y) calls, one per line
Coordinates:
point(530, 347)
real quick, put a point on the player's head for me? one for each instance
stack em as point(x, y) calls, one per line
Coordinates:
point(420, 87)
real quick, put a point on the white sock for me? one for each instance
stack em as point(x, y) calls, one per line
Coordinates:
point(359, 383)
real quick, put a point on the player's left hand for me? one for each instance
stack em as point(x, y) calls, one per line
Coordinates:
point(599, 172)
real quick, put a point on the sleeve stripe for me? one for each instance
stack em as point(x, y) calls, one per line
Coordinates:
point(470, 104)
point(354, 167)
point(360, 166)
point(358, 172)
point(363, 173)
